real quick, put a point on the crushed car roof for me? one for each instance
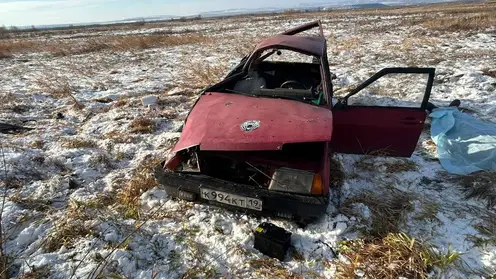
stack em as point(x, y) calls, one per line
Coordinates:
point(314, 45)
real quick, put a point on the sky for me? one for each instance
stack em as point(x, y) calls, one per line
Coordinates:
point(45, 12)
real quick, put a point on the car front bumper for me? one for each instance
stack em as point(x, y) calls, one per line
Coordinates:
point(300, 208)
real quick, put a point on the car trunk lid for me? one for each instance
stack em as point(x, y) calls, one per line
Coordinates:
point(233, 122)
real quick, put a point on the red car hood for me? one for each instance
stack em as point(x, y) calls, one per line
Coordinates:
point(215, 123)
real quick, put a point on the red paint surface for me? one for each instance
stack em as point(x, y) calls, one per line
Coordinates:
point(365, 130)
point(314, 45)
point(214, 123)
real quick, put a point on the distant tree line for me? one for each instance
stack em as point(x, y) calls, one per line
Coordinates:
point(6, 32)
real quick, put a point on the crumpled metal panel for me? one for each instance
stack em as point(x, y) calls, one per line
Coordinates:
point(232, 122)
point(314, 45)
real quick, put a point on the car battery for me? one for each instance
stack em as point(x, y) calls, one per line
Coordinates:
point(272, 240)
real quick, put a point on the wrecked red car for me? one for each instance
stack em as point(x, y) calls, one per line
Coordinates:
point(261, 140)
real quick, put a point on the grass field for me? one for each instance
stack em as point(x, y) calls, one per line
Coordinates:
point(81, 201)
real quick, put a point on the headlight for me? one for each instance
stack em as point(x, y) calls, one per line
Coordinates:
point(296, 181)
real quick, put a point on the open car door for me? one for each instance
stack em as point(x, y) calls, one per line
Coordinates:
point(386, 131)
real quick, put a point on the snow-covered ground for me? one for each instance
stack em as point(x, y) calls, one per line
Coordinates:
point(56, 184)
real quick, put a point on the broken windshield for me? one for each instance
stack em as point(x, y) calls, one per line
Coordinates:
point(283, 74)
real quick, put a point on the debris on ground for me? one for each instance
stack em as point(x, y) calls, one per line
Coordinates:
point(6, 128)
point(103, 154)
point(272, 240)
point(464, 143)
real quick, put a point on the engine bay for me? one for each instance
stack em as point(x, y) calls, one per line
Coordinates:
point(255, 168)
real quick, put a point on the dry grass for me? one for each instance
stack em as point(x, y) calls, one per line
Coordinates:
point(168, 143)
point(79, 143)
point(487, 231)
point(119, 137)
point(7, 99)
point(31, 203)
point(488, 225)
point(88, 209)
point(414, 43)
point(401, 166)
point(429, 211)
point(199, 75)
point(65, 233)
point(101, 160)
point(123, 43)
point(75, 47)
point(271, 268)
point(479, 185)
point(426, 9)
point(103, 100)
point(4, 52)
point(12, 182)
point(173, 100)
point(369, 163)
point(4, 32)
point(348, 44)
point(428, 148)
point(365, 163)
point(10, 47)
point(442, 17)
point(394, 256)
point(489, 72)
point(467, 22)
point(177, 214)
point(58, 87)
point(388, 210)
point(142, 125)
point(17, 108)
point(429, 145)
point(120, 103)
point(200, 272)
point(59, 164)
point(244, 45)
point(141, 181)
point(36, 273)
point(143, 42)
point(4, 262)
point(337, 175)
point(448, 16)
point(38, 144)
point(95, 44)
point(199, 266)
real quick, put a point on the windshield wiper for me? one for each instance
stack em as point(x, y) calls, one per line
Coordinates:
point(306, 101)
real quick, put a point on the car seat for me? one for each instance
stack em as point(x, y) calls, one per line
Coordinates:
point(251, 84)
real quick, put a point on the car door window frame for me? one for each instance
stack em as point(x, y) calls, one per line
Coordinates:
point(343, 102)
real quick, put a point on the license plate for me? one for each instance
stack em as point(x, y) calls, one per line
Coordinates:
point(235, 200)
